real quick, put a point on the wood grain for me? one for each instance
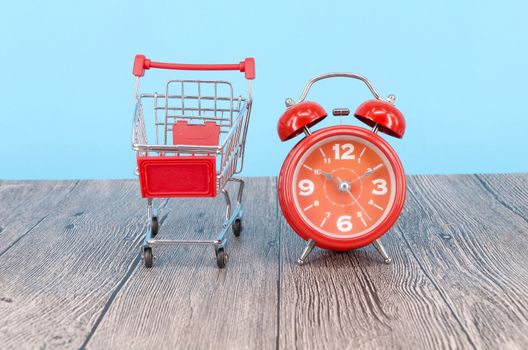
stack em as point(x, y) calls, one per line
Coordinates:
point(353, 300)
point(70, 274)
point(56, 280)
point(510, 190)
point(457, 279)
point(475, 257)
point(26, 204)
point(185, 301)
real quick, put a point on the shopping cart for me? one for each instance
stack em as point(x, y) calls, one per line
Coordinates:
point(200, 133)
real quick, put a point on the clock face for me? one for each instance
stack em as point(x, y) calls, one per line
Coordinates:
point(342, 186)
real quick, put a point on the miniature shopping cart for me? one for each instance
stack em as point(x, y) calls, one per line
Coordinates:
point(200, 132)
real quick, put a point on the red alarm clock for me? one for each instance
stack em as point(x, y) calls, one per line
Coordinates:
point(341, 187)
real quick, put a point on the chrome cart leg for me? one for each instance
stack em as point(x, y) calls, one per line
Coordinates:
point(237, 224)
point(228, 202)
point(152, 217)
point(220, 254)
point(240, 188)
point(307, 250)
point(148, 234)
point(381, 250)
point(146, 251)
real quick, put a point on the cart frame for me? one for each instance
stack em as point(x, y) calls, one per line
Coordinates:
point(229, 153)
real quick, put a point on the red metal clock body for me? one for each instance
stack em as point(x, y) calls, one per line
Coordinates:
point(341, 187)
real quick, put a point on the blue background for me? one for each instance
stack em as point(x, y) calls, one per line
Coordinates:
point(457, 68)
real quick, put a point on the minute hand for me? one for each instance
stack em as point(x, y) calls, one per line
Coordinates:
point(367, 173)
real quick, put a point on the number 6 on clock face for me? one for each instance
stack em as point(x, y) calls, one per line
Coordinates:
point(344, 224)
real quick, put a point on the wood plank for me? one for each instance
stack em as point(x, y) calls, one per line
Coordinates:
point(25, 204)
point(475, 256)
point(185, 301)
point(456, 280)
point(353, 300)
point(55, 282)
point(510, 190)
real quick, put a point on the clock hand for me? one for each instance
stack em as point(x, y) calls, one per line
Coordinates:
point(359, 205)
point(344, 186)
point(347, 190)
point(367, 173)
point(329, 177)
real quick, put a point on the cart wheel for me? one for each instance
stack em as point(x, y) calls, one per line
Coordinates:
point(237, 227)
point(148, 258)
point(221, 257)
point(154, 226)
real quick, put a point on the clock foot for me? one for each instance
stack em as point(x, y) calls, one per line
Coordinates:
point(382, 251)
point(307, 250)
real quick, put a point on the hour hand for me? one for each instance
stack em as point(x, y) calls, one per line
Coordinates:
point(328, 176)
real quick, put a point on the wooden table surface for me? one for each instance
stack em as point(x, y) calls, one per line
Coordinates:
point(71, 275)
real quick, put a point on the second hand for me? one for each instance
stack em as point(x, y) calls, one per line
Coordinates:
point(355, 199)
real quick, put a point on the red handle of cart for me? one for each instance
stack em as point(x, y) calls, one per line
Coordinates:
point(141, 63)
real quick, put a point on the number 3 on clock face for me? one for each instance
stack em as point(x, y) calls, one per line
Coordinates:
point(343, 189)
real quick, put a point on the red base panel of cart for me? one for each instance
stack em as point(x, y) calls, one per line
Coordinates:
point(178, 176)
